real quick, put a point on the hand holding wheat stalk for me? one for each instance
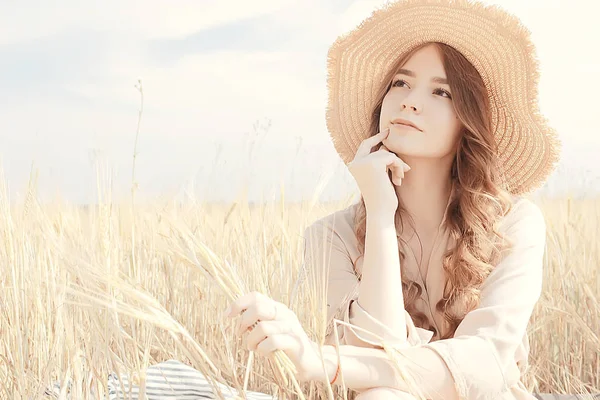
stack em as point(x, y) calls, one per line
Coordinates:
point(196, 254)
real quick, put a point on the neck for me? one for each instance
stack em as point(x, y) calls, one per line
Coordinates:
point(425, 191)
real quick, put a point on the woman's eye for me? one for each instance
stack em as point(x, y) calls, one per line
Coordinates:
point(442, 91)
point(398, 80)
point(437, 91)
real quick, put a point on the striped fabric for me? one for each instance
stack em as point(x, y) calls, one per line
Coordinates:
point(174, 380)
point(168, 380)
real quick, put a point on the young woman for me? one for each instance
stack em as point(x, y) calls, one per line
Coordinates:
point(433, 108)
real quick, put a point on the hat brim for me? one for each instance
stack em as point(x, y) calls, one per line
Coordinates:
point(494, 41)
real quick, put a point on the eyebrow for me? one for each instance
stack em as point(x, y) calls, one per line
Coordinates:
point(435, 79)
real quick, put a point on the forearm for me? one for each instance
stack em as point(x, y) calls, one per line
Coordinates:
point(380, 293)
point(365, 368)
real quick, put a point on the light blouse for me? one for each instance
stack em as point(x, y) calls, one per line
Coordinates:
point(488, 353)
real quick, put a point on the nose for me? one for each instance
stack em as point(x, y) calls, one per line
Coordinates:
point(411, 103)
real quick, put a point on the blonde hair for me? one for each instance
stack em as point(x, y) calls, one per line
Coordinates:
point(479, 204)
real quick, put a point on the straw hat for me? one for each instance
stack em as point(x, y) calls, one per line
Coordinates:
point(497, 45)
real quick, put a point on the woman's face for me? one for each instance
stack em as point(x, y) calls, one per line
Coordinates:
point(416, 97)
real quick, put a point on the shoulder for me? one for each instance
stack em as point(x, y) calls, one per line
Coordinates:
point(339, 221)
point(522, 262)
point(523, 229)
point(523, 215)
point(337, 227)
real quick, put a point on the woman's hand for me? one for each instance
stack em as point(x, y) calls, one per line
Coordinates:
point(370, 170)
point(273, 326)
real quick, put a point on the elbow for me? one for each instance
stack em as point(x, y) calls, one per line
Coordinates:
point(507, 373)
point(510, 371)
point(506, 353)
point(512, 375)
point(477, 369)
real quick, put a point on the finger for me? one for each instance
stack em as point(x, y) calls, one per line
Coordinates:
point(404, 169)
point(397, 180)
point(243, 303)
point(389, 158)
point(265, 310)
point(389, 161)
point(279, 341)
point(394, 178)
point(398, 169)
point(401, 168)
point(395, 162)
point(366, 145)
point(248, 318)
point(263, 330)
point(388, 168)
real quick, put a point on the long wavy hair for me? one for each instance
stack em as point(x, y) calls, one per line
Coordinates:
point(475, 211)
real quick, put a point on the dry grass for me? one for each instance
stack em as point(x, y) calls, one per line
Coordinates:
point(89, 291)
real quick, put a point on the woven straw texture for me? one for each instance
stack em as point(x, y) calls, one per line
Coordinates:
point(494, 41)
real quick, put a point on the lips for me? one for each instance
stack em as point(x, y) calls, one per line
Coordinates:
point(405, 122)
point(404, 127)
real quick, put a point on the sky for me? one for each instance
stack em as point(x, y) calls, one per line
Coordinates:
point(234, 96)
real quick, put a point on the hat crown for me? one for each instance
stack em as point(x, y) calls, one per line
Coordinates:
point(495, 42)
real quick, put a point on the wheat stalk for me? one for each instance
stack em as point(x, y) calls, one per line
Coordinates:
point(187, 249)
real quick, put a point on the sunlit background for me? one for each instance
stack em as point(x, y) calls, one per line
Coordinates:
point(234, 95)
point(234, 110)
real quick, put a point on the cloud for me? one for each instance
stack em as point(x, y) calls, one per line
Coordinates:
point(210, 69)
point(94, 54)
point(27, 20)
point(251, 35)
point(52, 61)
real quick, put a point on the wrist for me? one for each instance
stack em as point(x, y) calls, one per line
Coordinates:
point(331, 364)
point(381, 218)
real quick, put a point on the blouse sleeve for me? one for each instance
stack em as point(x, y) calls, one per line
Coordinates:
point(480, 356)
point(479, 361)
point(328, 261)
point(325, 250)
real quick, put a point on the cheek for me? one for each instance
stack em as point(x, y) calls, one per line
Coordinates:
point(456, 128)
point(446, 131)
point(391, 102)
point(447, 123)
point(385, 105)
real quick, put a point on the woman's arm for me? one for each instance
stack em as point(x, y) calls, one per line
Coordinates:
point(366, 368)
point(479, 361)
point(380, 293)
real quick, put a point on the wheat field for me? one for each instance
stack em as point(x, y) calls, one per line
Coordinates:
point(87, 291)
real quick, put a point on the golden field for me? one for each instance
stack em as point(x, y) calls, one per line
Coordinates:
point(87, 291)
